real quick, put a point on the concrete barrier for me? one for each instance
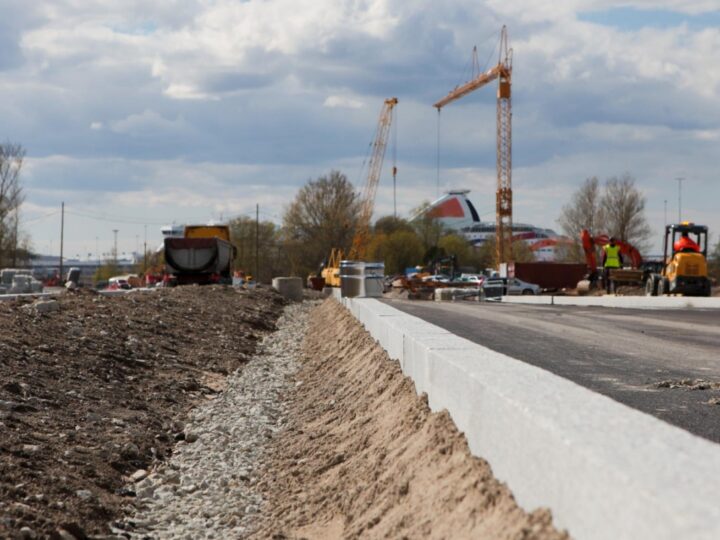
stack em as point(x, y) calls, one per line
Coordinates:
point(290, 287)
point(604, 469)
point(628, 302)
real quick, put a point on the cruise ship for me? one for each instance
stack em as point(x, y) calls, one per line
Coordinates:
point(457, 213)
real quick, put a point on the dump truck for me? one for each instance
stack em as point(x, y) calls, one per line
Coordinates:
point(203, 255)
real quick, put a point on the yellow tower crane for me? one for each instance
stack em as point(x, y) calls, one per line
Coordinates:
point(502, 72)
point(358, 251)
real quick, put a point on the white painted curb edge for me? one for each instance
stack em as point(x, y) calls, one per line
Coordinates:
point(604, 469)
point(627, 302)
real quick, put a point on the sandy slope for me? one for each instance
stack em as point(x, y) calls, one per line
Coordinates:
point(364, 456)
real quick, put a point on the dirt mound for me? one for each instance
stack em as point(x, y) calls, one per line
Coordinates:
point(95, 388)
point(365, 458)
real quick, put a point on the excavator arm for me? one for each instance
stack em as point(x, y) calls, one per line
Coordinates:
point(589, 242)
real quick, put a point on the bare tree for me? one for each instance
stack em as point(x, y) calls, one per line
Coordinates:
point(322, 216)
point(11, 198)
point(584, 210)
point(618, 209)
point(624, 209)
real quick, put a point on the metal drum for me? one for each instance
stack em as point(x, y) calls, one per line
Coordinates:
point(361, 279)
point(351, 279)
point(374, 282)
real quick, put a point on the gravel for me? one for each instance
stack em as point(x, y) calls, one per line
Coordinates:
point(207, 489)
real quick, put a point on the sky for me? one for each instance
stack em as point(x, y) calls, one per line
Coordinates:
point(137, 114)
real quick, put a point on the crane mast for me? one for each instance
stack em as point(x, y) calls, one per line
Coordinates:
point(367, 200)
point(503, 204)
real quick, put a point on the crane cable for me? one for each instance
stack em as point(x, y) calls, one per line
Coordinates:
point(437, 189)
point(394, 162)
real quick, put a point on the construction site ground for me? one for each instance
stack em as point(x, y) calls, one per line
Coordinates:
point(662, 362)
point(96, 393)
point(98, 389)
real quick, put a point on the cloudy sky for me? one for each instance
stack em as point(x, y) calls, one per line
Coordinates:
point(141, 113)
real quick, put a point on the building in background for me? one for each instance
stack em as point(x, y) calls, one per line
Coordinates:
point(458, 214)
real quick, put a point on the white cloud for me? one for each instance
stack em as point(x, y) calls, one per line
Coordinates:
point(342, 102)
point(147, 122)
point(237, 101)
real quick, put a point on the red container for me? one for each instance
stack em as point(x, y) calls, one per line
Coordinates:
point(549, 275)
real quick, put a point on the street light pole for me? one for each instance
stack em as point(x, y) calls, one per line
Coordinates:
point(62, 238)
point(115, 258)
point(679, 180)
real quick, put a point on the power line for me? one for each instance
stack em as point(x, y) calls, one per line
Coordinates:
point(40, 218)
point(117, 219)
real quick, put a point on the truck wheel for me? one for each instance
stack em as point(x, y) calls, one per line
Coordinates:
point(707, 290)
point(662, 286)
point(651, 286)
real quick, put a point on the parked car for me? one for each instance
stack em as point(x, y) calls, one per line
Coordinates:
point(440, 278)
point(477, 279)
point(512, 286)
point(115, 284)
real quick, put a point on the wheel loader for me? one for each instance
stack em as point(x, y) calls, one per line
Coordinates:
point(685, 268)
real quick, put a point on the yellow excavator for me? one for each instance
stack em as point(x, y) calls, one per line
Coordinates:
point(331, 271)
point(685, 263)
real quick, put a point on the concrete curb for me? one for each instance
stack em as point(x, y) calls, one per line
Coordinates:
point(627, 302)
point(604, 469)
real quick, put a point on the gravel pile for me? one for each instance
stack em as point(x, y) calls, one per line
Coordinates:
point(208, 488)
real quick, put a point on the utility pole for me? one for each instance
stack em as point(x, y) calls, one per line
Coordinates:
point(257, 243)
point(145, 251)
point(665, 212)
point(679, 180)
point(62, 235)
point(115, 258)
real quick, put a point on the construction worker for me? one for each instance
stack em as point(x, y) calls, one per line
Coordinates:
point(611, 259)
point(685, 243)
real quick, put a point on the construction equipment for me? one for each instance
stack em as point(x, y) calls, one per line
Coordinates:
point(617, 276)
point(358, 251)
point(502, 71)
point(203, 255)
point(684, 270)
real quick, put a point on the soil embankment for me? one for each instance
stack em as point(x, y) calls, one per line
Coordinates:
point(97, 389)
point(363, 457)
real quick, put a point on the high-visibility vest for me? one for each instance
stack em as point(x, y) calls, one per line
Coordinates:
point(612, 256)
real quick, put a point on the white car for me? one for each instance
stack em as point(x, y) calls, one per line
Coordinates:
point(512, 286)
point(473, 278)
point(439, 278)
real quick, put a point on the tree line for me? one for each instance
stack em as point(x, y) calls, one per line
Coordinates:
point(323, 215)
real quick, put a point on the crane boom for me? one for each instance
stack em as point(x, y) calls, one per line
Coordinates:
point(463, 90)
point(367, 201)
point(502, 71)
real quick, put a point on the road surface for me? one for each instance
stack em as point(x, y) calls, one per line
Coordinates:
point(632, 356)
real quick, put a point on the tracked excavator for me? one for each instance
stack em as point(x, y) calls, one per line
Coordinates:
point(628, 251)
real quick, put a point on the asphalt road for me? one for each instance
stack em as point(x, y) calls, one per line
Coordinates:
point(621, 353)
